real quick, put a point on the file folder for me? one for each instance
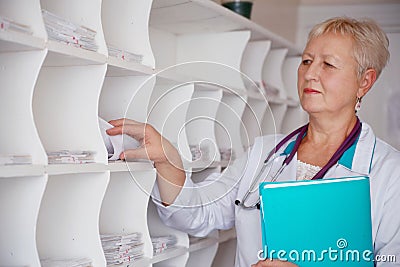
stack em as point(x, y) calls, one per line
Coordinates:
point(324, 222)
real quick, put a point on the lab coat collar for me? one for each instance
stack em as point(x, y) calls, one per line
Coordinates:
point(358, 158)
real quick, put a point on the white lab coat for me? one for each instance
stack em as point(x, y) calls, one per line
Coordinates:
point(209, 205)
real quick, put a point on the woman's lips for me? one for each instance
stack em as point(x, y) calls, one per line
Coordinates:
point(310, 91)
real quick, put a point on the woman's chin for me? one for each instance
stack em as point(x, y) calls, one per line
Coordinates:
point(312, 108)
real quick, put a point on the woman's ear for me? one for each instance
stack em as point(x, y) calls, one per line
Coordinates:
point(366, 82)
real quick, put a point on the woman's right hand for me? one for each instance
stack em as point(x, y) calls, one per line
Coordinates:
point(155, 147)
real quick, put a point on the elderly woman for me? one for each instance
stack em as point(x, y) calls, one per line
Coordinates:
point(341, 62)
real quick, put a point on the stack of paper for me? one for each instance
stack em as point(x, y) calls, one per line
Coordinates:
point(68, 157)
point(77, 262)
point(162, 243)
point(199, 152)
point(122, 248)
point(15, 159)
point(64, 31)
point(226, 154)
point(124, 55)
point(10, 25)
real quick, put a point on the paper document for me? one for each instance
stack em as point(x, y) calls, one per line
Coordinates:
point(118, 143)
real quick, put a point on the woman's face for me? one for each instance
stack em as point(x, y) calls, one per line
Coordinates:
point(327, 78)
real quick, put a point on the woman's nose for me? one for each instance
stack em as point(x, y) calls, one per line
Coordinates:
point(312, 72)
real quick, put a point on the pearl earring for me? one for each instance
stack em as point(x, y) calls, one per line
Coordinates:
point(358, 104)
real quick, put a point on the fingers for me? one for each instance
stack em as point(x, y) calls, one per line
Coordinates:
point(134, 130)
point(122, 121)
point(114, 131)
point(139, 153)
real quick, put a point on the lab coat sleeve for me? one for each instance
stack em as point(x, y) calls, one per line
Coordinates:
point(387, 243)
point(203, 207)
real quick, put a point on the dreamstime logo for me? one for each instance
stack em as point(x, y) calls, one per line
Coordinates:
point(341, 243)
point(209, 119)
point(342, 253)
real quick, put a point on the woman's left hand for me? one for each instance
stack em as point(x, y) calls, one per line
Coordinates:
point(274, 263)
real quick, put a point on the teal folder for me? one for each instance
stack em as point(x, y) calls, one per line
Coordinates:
point(314, 223)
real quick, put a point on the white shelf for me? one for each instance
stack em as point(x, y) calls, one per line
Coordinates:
point(57, 169)
point(199, 16)
point(253, 64)
point(289, 75)
point(228, 129)
point(124, 207)
point(273, 118)
point(25, 12)
point(125, 26)
point(68, 55)
point(67, 98)
point(20, 200)
point(21, 170)
point(169, 254)
point(252, 118)
point(18, 75)
point(68, 221)
point(87, 14)
point(124, 166)
point(202, 243)
point(200, 123)
point(117, 67)
point(16, 41)
point(175, 256)
point(272, 70)
point(143, 262)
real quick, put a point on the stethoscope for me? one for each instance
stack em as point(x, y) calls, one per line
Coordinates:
point(300, 132)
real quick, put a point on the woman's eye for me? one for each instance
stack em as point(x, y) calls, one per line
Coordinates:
point(329, 65)
point(306, 62)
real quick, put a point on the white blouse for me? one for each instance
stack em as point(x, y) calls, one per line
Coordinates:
point(306, 171)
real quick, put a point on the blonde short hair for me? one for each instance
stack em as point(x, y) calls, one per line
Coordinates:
point(370, 41)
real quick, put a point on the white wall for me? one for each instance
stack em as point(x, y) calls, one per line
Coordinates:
point(279, 16)
point(270, 14)
point(375, 106)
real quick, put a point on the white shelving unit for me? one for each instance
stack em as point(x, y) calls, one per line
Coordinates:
point(126, 27)
point(295, 116)
point(177, 256)
point(201, 123)
point(229, 124)
point(58, 211)
point(167, 113)
point(124, 208)
point(203, 251)
point(87, 14)
point(68, 223)
point(27, 13)
point(20, 199)
point(213, 48)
